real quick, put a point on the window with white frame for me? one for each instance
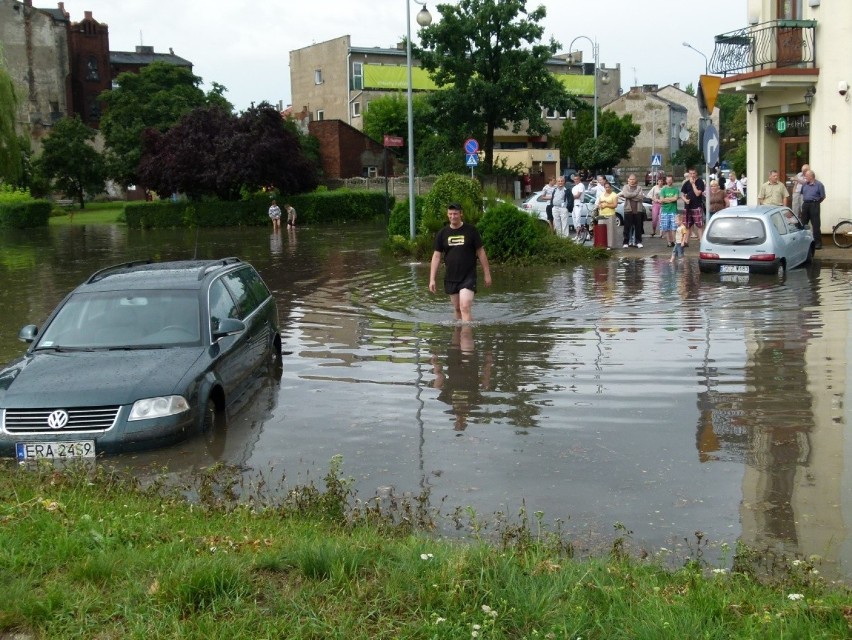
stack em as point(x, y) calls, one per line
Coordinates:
point(356, 109)
point(320, 114)
point(551, 114)
point(357, 75)
point(372, 172)
point(318, 76)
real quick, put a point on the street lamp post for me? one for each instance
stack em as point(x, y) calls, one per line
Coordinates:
point(706, 61)
point(424, 19)
point(595, 52)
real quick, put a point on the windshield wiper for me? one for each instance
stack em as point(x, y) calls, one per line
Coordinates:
point(743, 240)
point(60, 349)
point(134, 347)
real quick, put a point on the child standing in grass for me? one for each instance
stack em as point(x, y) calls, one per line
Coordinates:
point(680, 238)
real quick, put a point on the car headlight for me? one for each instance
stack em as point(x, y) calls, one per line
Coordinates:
point(158, 407)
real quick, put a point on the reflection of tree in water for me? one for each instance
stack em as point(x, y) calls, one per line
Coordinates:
point(768, 425)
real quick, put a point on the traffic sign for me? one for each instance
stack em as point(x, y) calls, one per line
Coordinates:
point(708, 91)
point(657, 160)
point(471, 146)
point(472, 159)
point(394, 141)
point(711, 145)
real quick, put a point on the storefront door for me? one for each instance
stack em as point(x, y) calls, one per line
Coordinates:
point(795, 151)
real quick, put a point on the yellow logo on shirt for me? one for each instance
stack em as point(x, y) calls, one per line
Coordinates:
point(455, 241)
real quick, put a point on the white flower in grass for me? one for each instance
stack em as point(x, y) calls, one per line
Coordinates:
point(795, 596)
point(476, 627)
point(440, 620)
point(489, 611)
point(426, 556)
point(796, 563)
point(474, 634)
point(720, 571)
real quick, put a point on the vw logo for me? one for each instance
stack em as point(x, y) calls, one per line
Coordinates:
point(57, 419)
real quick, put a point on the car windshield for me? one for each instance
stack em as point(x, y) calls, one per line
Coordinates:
point(738, 230)
point(125, 320)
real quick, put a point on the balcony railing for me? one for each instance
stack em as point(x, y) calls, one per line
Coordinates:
point(769, 45)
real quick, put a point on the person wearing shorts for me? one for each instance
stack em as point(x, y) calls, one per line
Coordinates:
point(460, 245)
point(275, 215)
point(693, 198)
point(669, 195)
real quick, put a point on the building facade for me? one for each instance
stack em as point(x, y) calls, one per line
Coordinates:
point(333, 80)
point(60, 67)
point(792, 70)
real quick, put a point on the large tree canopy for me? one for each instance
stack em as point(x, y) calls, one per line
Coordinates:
point(211, 152)
point(487, 57)
point(70, 162)
point(156, 97)
point(616, 135)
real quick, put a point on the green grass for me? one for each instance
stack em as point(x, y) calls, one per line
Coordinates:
point(94, 213)
point(93, 555)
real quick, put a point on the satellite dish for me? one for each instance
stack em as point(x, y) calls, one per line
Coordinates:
point(684, 133)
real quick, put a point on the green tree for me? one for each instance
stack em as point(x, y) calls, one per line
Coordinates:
point(487, 58)
point(732, 126)
point(689, 155)
point(616, 136)
point(70, 162)
point(11, 163)
point(155, 97)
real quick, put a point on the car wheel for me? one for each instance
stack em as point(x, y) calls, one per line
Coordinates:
point(619, 221)
point(810, 256)
point(782, 269)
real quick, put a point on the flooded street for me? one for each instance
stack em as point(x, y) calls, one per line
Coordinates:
point(626, 391)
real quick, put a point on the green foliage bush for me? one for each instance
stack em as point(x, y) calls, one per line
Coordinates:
point(320, 207)
point(24, 215)
point(9, 194)
point(450, 187)
point(510, 234)
point(400, 217)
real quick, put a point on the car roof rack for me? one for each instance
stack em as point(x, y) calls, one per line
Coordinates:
point(102, 273)
point(215, 264)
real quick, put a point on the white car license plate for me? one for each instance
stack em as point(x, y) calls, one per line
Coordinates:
point(26, 451)
point(733, 268)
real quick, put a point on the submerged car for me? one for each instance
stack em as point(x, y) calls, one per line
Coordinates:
point(762, 239)
point(140, 355)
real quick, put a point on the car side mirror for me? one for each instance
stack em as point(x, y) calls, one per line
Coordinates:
point(228, 327)
point(28, 333)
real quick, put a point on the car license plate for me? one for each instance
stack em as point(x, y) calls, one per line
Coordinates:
point(26, 451)
point(733, 268)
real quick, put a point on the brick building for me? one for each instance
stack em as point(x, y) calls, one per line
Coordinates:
point(348, 153)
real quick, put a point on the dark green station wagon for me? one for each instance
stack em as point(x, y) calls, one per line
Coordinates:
point(140, 355)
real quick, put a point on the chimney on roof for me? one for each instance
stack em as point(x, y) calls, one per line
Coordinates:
point(87, 15)
point(171, 51)
point(28, 3)
point(676, 85)
point(144, 48)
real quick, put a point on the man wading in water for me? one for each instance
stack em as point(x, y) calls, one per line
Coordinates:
point(461, 245)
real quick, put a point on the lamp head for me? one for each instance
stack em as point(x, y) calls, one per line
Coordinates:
point(424, 18)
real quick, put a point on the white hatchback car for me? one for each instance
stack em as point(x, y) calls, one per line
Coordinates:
point(763, 239)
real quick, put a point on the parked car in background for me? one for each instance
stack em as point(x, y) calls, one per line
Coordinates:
point(764, 239)
point(536, 206)
point(139, 355)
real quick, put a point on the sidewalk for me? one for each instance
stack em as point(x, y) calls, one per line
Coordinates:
point(656, 247)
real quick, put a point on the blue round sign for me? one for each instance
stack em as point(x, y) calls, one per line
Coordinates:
point(471, 146)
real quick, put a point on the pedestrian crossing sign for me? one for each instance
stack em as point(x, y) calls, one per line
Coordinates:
point(657, 160)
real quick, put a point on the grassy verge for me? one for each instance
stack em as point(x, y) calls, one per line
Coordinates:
point(94, 213)
point(94, 555)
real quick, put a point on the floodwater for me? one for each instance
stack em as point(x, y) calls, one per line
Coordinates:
point(627, 392)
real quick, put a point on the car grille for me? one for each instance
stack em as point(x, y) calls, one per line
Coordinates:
point(80, 419)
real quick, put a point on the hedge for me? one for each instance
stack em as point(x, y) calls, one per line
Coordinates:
point(24, 215)
point(319, 207)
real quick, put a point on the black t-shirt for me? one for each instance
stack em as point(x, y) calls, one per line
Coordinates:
point(459, 247)
point(691, 200)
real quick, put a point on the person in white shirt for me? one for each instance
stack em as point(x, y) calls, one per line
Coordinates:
point(577, 192)
point(547, 194)
point(798, 181)
point(560, 208)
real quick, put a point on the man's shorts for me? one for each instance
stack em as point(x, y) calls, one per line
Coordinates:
point(452, 288)
point(667, 221)
point(694, 217)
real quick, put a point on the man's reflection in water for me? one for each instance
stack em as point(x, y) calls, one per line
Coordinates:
point(275, 244)
point(460, 382)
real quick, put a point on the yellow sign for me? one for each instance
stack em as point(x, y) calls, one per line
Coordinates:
point(710, 88)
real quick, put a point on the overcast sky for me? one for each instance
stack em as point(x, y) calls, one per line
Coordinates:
point(245, 45)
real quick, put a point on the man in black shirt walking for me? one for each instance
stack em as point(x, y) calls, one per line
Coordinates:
point(460, 244)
